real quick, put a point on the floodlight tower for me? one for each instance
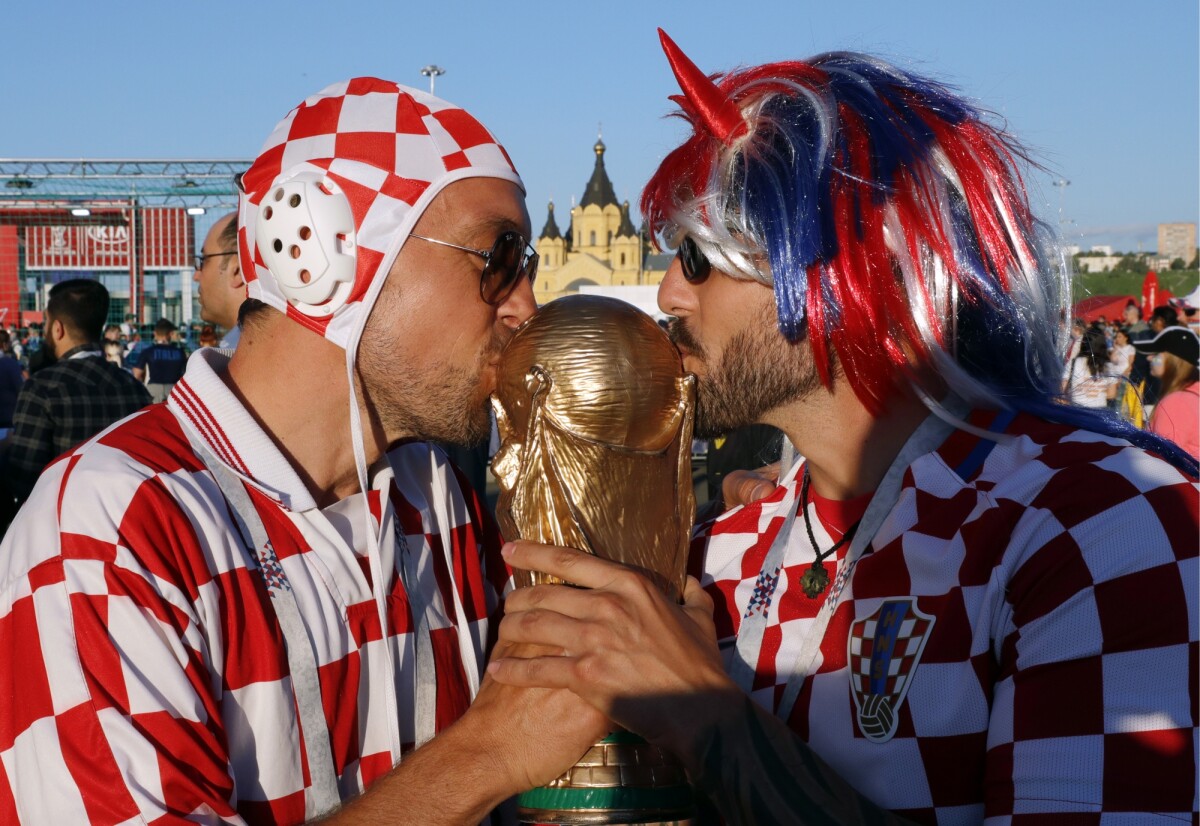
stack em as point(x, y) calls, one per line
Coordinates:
point(1062, 184)
point(432, 71)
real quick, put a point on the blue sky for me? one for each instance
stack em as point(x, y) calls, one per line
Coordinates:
point(1106, 93)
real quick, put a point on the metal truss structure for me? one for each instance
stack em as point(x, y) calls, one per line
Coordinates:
point(185, 183)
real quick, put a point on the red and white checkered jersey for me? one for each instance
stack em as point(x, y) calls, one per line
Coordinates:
point(1018, 642)
point(142, 668)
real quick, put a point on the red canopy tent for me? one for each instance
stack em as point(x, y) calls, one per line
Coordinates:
point(1109, 306)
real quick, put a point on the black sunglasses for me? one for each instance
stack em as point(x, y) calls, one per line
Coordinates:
point(694, 263)
point(511, 259)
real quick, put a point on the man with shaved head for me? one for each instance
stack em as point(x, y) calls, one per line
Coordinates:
point(218, 278)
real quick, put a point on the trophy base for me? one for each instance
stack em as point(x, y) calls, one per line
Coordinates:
point(621, 780)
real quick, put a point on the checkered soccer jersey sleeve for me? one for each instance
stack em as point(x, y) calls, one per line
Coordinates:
point(1018, 645)
point(142, 664)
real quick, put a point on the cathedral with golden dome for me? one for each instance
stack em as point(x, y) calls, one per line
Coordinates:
point(600, 248)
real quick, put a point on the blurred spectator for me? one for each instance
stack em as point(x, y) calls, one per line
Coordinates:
point(114, 353)
point(1176, 355)
point(1084, 380)
point(1190, 313)
point(77, 394)
point(161, 364)
point(221, 287)
point(208, 337)
point(37, 351)
point(1077, 330)
point(34, 340)
point(12, 376)
point(128, 327)
point(1120, 360)
point(1162, 318)
point(1133, 319)
point(17, 342)
point(133, 346)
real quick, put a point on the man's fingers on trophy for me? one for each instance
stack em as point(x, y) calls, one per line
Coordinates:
point(535, 596)
point(549, 629)
point(538, 672)
point(695, 598)
point(511, 648)
point(740, 487)
point(576, 567)
point(698, 606)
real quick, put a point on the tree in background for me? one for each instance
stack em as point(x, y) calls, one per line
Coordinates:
point(1131, 263)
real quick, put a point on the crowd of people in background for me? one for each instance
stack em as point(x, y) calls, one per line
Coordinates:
point(1146, 372)
point(122, 343)
point(60, 388)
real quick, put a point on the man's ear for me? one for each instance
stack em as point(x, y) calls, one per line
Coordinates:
point(235, 274)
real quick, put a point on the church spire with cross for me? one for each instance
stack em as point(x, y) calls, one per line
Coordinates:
point(599, 189)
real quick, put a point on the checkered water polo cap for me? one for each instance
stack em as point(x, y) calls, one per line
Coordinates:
point(338, 187)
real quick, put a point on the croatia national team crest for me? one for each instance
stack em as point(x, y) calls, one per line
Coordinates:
point(884, 651)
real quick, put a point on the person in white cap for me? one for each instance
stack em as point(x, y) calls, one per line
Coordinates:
point(255, 602)
point(1189, 307)
point(1176, 363)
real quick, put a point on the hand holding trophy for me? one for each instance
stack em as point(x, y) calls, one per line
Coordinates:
point(595, 416)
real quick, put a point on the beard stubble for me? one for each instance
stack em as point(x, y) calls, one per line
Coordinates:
point(756, 372)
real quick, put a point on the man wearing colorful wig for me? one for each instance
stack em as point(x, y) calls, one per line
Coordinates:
point(969, 601)
point(250, 603)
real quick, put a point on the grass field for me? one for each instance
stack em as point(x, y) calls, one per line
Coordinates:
point(1179, 282)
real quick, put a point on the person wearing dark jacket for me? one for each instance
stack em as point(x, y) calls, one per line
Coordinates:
point(77, 395)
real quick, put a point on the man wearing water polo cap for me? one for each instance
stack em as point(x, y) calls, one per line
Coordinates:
point(970, 601)
point(258, 600)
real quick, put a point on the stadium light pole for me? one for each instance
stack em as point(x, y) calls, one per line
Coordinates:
point(1062, 184)
point(432, 71)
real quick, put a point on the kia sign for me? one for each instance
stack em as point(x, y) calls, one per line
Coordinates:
point(166, 243)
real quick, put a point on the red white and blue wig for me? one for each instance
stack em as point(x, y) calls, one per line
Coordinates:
point(891, 221)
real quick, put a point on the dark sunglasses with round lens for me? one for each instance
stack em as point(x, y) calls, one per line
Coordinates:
point(693, 262)
point(510, 260)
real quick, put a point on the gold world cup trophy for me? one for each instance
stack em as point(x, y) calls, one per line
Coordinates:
point(595, 417)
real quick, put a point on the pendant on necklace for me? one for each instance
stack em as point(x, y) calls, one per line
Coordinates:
point(815, 580)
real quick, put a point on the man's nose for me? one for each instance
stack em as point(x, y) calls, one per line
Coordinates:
point(675, 296)
point(518, 307)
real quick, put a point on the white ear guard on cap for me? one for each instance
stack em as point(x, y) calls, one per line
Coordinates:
point(305, 233)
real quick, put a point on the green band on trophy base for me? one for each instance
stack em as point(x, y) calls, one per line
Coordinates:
point(613, 805)
point(621, 779)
